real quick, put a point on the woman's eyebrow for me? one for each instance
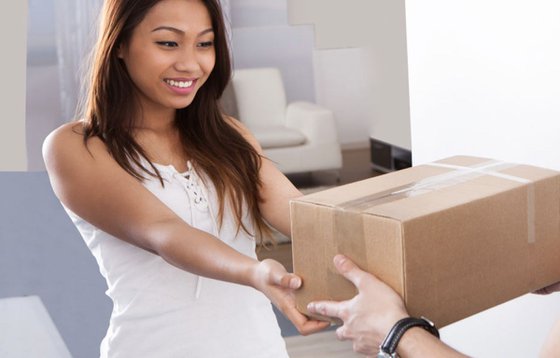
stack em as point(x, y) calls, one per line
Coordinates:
point(168, 28)
point(178, 31)
point(205, 31)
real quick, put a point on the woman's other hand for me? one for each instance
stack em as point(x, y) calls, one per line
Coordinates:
point(555, 287)
point(272, 279)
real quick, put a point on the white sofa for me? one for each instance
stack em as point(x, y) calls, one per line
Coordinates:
point(299, 136)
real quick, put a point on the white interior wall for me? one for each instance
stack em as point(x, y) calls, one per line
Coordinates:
point(341, 86)
point(485, 81)
point(13, 36)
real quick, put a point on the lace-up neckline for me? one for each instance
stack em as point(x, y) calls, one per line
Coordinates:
point(190, 181)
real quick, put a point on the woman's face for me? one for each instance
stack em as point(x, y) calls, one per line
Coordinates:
point(170, 54)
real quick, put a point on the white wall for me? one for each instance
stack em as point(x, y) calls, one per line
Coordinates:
point(485, 80)
point(13, 22)
point(343, 84)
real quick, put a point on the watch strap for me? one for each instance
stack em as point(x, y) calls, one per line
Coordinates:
point(389, 345)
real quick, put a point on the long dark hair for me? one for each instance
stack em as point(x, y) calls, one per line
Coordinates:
point(212, 144)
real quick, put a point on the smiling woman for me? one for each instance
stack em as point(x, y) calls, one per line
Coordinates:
point(158, 57)
point(170, 195)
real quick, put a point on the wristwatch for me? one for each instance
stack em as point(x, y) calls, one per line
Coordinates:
point(388, 348)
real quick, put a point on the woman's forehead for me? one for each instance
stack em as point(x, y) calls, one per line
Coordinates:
point(184, 15)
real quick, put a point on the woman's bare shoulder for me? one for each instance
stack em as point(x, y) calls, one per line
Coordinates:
point(88, 180)
point(66, 144)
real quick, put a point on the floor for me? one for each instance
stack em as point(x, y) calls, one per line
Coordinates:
point(323, 345)
point(356, 166)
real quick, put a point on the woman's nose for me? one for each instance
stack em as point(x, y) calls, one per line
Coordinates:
point(187, 60)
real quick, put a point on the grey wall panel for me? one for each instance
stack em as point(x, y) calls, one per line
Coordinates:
point(42, 253)
point(290, 48)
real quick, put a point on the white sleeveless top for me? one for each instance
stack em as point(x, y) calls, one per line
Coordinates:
point(162, 311)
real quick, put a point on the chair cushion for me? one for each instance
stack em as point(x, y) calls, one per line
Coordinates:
point(278, 136)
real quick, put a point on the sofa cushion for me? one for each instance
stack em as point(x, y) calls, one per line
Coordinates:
point(278, 136)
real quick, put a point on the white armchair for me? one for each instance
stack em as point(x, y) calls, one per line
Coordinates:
point(299, 136)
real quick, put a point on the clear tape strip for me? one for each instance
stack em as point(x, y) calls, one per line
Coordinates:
point(460, 174)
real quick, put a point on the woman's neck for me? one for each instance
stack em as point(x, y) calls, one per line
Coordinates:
point(156, 120)
point(163, 145)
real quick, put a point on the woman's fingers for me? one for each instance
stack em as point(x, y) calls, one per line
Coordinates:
point(303, 324)
point(279, 287)
point(548, 289)
point(279, 276)
point(289, 280)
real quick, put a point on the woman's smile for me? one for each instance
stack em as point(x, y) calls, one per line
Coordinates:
point(180, 85)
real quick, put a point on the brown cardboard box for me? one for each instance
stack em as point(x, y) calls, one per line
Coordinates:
point(453, 237)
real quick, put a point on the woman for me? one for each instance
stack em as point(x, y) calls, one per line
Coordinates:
point(170, 195)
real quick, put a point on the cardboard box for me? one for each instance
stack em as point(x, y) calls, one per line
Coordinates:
point(453, 237)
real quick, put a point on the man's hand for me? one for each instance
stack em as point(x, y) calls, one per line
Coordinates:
point(368, 316)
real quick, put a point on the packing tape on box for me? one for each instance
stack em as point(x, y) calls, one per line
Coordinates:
point(348, 219)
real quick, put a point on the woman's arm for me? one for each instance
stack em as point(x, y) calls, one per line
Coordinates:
point(277, 190)
point(91, 184)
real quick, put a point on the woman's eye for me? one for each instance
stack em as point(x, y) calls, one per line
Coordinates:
point(167, 43)
point(206, 44)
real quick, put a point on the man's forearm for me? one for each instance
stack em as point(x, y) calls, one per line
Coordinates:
point(417, 342)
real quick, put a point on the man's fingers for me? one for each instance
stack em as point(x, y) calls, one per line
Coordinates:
point(325, 308)
point(341, 333)
point(349, 269)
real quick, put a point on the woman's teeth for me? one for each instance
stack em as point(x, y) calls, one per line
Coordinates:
point(180, 84)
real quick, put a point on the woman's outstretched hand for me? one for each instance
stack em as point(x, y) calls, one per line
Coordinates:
point(272, 279)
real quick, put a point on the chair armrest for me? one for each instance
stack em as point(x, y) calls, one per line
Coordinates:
point(315, 122)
